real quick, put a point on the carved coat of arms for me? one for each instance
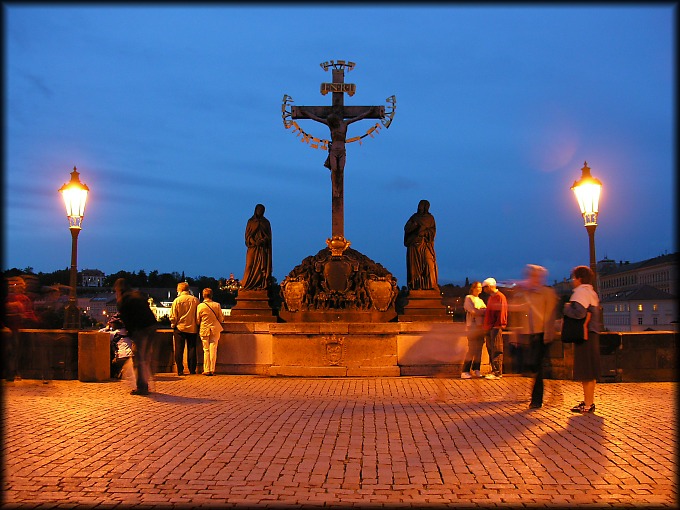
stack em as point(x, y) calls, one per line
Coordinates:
point(334, 349)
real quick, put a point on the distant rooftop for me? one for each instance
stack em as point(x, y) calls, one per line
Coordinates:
point(611, 267)
point(641, 293)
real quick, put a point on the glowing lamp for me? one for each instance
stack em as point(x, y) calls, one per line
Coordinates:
point(74, 194)
point(587, 190)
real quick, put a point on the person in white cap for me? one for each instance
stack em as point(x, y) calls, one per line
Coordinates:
point(495, 321)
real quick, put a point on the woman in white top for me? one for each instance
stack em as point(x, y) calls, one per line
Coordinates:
point(210, 319)
point(474, 319)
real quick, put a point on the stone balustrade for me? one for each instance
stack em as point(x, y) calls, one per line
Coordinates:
point(344, 350)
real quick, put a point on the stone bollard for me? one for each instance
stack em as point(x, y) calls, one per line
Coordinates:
point(94, 351)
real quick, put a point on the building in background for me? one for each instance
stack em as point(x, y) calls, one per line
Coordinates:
point(639, 296)
point(161, 310)
point(92, 278)
point(100, 307)
point(642, 309)
point(660, 272)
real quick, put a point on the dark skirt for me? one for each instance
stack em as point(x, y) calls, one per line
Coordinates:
point(587, 359)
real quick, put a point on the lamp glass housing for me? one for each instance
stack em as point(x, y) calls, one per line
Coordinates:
point(74, 194)
point(587, 190)
point(588, 197)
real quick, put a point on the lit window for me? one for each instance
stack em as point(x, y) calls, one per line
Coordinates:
point(640, 307)
point(655, 307)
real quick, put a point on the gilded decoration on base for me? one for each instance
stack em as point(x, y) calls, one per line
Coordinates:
point(381, 292)
point(351, 282)
point(294, 293)
point(338, 245)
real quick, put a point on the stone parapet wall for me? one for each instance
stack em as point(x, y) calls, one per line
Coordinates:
point(47, 353)
point(346, 350)
point(647, 356)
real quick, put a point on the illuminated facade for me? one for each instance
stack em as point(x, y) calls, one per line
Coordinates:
point(639, 296)
point(642, 309)
point(92, 278)
point(660, 272)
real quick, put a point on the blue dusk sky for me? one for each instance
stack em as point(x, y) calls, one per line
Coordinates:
point(172, 115)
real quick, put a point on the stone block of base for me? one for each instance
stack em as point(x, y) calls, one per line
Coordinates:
point(424, 306)
point(252, 306)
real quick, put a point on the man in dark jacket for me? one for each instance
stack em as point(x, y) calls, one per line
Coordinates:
point(141, 324)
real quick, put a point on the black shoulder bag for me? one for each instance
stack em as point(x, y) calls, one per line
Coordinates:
point(572, 330)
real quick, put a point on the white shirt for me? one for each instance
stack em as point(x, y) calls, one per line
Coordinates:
point(474, 316)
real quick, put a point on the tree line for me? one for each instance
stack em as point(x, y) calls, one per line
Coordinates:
point(140, 279)
point(37, 282)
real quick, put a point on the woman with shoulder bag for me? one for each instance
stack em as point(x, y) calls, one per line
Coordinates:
point(584, 303)
point(210, 319)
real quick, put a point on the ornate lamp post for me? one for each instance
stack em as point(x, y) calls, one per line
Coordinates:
point(587, 190)
point(75, 196)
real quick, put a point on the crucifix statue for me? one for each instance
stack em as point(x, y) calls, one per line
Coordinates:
point(337, 117)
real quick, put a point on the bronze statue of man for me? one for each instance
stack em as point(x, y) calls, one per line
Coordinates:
point(259, 253)
point(421, 261)
point(336, 150)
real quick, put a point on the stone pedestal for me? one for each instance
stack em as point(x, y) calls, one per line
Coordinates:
point(245, 348)
point(94, 363)
point(424, 306)
point(338, 316)
point(334, 350)
point(252, 306)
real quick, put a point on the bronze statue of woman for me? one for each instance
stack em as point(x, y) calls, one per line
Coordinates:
point(421, 261)
point(259, 253)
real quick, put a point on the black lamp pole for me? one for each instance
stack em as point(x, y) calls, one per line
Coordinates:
point(75, 196)
point(587, 190)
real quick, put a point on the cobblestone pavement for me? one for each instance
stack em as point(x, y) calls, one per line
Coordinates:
point(244, 441)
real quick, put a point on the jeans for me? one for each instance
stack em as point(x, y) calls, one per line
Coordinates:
point(494, 346)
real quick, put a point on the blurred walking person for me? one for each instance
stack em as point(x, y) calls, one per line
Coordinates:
point(19, 313)
point(535, 305)
point(141, 324)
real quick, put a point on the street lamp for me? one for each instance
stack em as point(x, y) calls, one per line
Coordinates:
point(587, 190)
point(75, 196)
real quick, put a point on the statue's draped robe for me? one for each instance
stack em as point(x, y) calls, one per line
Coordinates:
point(421, 262)
point(259, 254)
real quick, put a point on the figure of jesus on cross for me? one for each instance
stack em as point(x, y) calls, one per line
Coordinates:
point(336, 150)
point(337, 117)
